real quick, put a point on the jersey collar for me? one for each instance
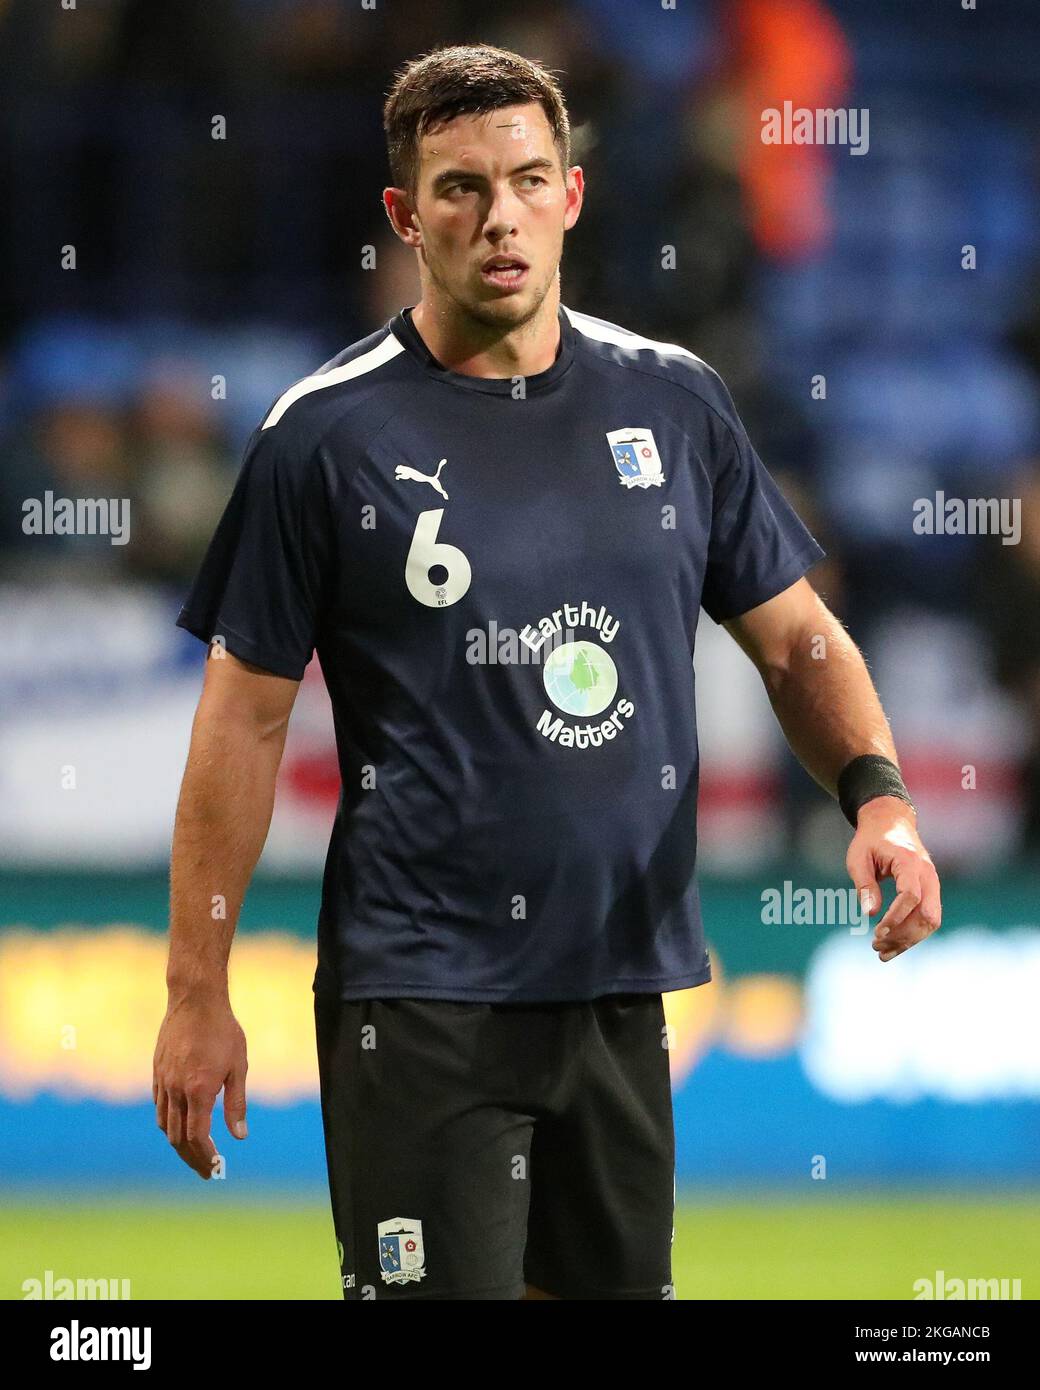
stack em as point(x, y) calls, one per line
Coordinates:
point(408, 335)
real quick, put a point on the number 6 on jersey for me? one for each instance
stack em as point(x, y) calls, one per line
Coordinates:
point(426, 551)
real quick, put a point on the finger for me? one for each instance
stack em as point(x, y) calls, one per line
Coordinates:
point(893, 945)
point(193, 1156)
point(900, 909)
point(197, 1130)
point(869, 896)
point(890, 946)
point(907, 933)
point(907, 898)
point(160, 1107)
point(176, 1109)
point(235, 1103)
point(861, 870)
point(931, 896)
point(198, 1154)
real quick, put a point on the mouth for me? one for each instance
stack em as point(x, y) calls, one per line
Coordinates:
point(505, 272)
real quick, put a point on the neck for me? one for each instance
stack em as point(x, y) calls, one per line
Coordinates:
point(473, 348)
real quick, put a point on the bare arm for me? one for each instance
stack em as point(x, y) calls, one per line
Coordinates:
point(825, 701)
point(817, 682)
point(223, 816)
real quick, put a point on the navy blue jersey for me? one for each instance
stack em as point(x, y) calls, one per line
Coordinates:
point(502, 579)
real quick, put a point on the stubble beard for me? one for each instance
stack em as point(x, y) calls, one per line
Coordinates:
point(489, 313)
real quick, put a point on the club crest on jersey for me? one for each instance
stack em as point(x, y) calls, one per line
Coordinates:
point(401, 1256)
point(635, 457)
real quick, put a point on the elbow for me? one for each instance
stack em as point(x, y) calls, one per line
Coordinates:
point(776, 672)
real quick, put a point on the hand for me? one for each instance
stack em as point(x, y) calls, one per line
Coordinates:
point(200, 1049)
point(886, 845)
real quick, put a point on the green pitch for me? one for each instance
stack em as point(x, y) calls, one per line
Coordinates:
point(766, 1247)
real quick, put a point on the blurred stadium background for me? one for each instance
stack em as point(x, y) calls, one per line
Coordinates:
point(842, 1130)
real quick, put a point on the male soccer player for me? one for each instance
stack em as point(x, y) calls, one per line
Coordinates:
point(496, 520)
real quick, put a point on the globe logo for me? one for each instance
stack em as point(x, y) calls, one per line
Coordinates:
point(580, 678)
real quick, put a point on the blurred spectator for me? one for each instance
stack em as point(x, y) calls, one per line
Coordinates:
point(1008, 608)
point(181, 477)
point(73, 450)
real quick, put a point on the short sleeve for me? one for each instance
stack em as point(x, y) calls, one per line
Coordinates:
point(759, 545)
point(261, 583)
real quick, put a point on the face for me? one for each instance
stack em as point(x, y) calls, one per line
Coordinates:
point(489, 213)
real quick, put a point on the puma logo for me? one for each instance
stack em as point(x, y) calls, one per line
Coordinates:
point(434, 479)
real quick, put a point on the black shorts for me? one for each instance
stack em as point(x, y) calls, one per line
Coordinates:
point(476, 1148)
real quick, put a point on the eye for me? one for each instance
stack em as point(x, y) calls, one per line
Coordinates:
point(533, 178)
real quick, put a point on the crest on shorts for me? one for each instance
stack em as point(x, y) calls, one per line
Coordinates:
point(401, 1255)
point(635, 457)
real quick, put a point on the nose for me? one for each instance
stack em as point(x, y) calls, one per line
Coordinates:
point(501, 214)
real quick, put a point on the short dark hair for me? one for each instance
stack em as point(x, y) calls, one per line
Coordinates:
point(464, 80)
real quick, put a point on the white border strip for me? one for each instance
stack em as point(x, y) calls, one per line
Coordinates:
point(621, 337)
point(367, 362)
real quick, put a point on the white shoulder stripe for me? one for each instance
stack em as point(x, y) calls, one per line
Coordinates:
point(367, 362)
point(621, 337)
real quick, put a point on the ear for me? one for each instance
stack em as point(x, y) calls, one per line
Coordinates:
point(575, 185)
point(403, 218)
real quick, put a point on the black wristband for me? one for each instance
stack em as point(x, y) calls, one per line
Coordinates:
point(866, 777)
